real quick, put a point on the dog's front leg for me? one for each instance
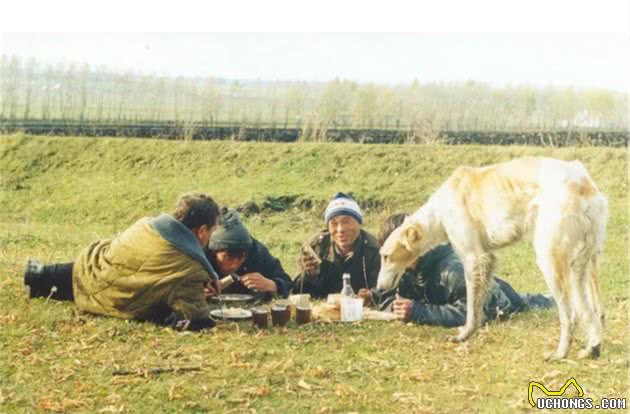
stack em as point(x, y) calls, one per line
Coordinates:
point(478, 273)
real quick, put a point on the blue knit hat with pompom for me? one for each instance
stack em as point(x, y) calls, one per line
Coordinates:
point(343, 205)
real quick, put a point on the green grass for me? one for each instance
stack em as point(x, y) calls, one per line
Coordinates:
point(58, 194)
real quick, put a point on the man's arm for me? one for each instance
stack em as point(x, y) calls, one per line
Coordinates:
point(188, 304)
point(453, 313)
point(314, 285)
point(265, 264)
point(312, 276)
point(449, 315)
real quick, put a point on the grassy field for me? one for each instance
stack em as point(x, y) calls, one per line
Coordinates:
point(58, 194)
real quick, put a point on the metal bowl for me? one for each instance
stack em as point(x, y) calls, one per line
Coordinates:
point(232, 299)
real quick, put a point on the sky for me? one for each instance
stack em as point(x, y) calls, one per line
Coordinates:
point(584, 44)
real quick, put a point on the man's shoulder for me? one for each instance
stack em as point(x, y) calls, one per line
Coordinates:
point(369, 240)
point(139, 232)
point(441, 253)
point(142, 223)
point(444, 261)
point(260, 259)
point(318, 238)
point(257, 245)
point(258, 249)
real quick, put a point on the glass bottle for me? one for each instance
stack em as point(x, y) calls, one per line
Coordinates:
point(347, 288)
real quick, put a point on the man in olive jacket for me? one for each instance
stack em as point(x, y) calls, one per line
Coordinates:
point(343, 248)
point(155, 270)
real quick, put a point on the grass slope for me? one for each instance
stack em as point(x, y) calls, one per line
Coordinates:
point(58, 194)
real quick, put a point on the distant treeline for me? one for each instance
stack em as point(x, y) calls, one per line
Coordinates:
point(80, 93)
point(186, 131)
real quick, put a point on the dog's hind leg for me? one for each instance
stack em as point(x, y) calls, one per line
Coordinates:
point(592, 289)
point(552, 257)
point(478, 273)
point(587, 303)
point(555, 273)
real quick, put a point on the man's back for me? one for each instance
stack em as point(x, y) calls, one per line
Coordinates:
point(134, 276)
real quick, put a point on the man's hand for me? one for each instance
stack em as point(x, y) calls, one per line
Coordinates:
point(310, 265)
point(402, 308)
point(213, 288)
point(176, 321)
point(182, 325)
point(256, 281)
point(310, 261)
point(366, 294)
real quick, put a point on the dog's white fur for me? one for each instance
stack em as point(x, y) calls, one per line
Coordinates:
point(479, 210)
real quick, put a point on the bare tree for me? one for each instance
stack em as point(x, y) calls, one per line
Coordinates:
point(296, 99)
point(364, 106)
point(4, 84)
point(335, 103)
point(83, 90)
point(29, 79)
point(11, 76)
point(211, 102)
point(78, 92)
point(123, 90)
point(159, 98)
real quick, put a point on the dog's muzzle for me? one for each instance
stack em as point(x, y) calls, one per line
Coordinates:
point(387, 280)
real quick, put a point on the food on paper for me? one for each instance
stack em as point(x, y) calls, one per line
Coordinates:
point(332, 313)
point(231, 313)
point(334, 299)
point(303, 299)
point(374, 315)
point(327, 312)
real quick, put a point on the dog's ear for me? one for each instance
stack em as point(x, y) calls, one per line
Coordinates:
point(412, 237)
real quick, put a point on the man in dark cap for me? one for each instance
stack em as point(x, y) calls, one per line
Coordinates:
point(342, 248)
point(243, 263)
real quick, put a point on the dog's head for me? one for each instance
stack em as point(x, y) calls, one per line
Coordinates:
point(399, 251)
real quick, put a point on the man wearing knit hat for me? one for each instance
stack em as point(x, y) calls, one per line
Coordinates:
point(342, 248)
point(243, 263)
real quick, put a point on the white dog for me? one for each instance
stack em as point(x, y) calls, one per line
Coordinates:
point(479, 210)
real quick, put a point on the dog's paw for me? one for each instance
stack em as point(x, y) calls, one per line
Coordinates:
point(590, 352)
point(584, 353)
point(465, 333)
point(453, 338)
point(554, 356)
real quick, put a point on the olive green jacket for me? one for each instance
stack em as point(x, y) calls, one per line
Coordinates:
point(139, 275)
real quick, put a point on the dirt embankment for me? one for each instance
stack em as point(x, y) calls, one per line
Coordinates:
point(172, 130)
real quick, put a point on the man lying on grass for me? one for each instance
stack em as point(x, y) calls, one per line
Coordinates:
point(155, 270)
point(245, 264)
point(433, 292)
